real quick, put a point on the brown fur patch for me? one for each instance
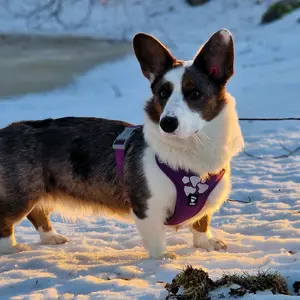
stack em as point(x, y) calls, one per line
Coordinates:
point(202, 224)
point(6, 228)
point(155, 106)
point(153, 109)
point(12, 215)
point(211, 98)
point(40, 218)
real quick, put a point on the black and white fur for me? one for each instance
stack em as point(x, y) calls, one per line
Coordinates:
point(190, 122)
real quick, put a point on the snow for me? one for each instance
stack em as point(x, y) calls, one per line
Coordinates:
point(104, 258)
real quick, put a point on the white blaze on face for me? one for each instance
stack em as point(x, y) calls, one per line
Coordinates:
point(189, 121)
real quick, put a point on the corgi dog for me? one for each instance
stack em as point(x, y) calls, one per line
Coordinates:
point(190, 123)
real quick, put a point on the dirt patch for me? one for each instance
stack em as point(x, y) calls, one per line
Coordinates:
point(31, 64)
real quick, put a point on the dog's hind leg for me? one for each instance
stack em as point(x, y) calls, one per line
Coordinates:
point(12, 212)
point(202, 237)
point(8, 243)
point(39, 218)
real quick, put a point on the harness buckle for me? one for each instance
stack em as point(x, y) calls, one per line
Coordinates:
point(123, 139)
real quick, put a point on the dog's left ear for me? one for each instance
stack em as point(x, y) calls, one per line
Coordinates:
point(216, 57)
point(152, 55)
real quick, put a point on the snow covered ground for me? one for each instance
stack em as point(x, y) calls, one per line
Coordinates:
point(104, 258)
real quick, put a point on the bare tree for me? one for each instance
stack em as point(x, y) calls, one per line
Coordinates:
point(36, 13)
point(119, 22)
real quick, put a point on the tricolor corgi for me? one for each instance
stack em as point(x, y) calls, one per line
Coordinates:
point(174, 170)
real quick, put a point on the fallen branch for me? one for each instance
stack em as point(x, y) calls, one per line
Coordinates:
point(290, 153)
point(269, 119)
point(235, 200)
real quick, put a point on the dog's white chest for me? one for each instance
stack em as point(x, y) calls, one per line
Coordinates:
point(163, 191)
point(164, 194)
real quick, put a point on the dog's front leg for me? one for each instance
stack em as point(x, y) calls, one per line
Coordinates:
point(202, 237)
point(152, 231)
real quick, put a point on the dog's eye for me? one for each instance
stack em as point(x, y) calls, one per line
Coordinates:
point(163, 94)
point(194, 95)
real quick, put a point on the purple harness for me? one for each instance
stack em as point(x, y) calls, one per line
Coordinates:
point(192, 192)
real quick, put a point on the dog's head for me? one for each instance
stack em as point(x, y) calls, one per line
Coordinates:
point(186, 95)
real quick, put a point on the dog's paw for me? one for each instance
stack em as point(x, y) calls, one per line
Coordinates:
point(55, 239)
point(207, 242)
point(170, 255)
point(167, 255)
point(217, 244)
point(8, 246)
point(21, 247)
point(52, 238)
point(15, 249)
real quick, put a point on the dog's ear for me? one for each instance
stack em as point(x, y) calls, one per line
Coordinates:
point(216, 57)
point(152, 55)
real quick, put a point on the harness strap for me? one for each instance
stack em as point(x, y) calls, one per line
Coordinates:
point(120, 145)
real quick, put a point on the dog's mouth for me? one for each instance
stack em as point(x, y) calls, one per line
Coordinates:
point(175, 135)
point(168, 134)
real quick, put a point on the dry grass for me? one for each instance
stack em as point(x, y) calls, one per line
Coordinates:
point(195, 284)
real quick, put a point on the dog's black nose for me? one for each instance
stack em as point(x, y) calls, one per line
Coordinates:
point(169, 124)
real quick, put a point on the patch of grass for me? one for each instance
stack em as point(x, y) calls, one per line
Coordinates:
point(195, 284)
point(279, 9)
point(263, 281)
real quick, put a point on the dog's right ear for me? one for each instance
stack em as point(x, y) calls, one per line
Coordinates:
point(152, 55)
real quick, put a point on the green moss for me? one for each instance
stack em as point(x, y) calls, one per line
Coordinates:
point(195, 284)
point(279, 9)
